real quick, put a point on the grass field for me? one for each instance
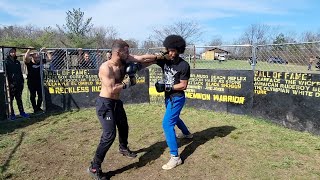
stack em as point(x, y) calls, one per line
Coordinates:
point(25, 100)
point(225, 146)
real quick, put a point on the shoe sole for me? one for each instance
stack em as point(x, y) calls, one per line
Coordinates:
point(179, 163)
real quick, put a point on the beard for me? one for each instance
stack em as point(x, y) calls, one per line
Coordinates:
point(36, 60)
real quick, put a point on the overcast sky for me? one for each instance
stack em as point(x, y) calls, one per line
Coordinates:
point(136, 18)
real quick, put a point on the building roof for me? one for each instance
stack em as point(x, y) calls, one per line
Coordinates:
point(218, 50)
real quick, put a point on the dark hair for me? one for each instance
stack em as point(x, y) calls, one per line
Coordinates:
point(175, 42)
point(15, 49)
point(119, 44)
point(7, 52)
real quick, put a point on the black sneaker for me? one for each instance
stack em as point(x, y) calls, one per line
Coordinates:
point(127, 152)
point(96, 174)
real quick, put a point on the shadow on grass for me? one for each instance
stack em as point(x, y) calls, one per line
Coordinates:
point(200, 138)
point(67, 104)
point(10, 126)
point(154, 151)
point(5, 165)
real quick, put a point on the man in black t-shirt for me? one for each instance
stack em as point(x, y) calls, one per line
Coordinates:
point(32, 61)
point(176, 73)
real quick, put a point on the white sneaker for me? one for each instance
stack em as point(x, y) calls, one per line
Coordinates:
point(173, 162)
point(183, 136)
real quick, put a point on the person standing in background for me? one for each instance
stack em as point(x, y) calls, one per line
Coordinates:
point(84, 60)
point(15, 81)
point(311, 60)
point(32, 61)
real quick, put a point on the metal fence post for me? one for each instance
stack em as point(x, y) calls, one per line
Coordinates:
point(254, 57)
point(194, 56)
point(42, 58)
point(6, 89)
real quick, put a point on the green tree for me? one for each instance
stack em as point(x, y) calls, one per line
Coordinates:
point(21, 36)
point(103, 36)
point(280, 39)
point(76, 29)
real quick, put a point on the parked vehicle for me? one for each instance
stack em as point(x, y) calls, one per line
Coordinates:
point(221, 57)
point(277, 60)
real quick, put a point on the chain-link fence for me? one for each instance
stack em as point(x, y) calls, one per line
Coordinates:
point(1, 61)
point(231, 57)
point(138, 51)
point(188, 55)
point(216, 57)
point(289, 57)
point(73, 58)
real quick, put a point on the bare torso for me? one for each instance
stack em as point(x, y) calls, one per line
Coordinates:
point(110, 75)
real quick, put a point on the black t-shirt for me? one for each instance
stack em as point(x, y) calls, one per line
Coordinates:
point(13, 69)
point(173, 72)
point(33, 71)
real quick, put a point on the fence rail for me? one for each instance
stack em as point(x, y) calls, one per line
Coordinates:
point(287, 57)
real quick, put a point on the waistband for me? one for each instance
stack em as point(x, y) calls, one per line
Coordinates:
point(174, 94)
point(104, 99)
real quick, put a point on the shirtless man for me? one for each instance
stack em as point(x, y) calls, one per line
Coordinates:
point(109, 107)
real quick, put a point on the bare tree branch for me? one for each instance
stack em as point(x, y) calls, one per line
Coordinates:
point(189, 30)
